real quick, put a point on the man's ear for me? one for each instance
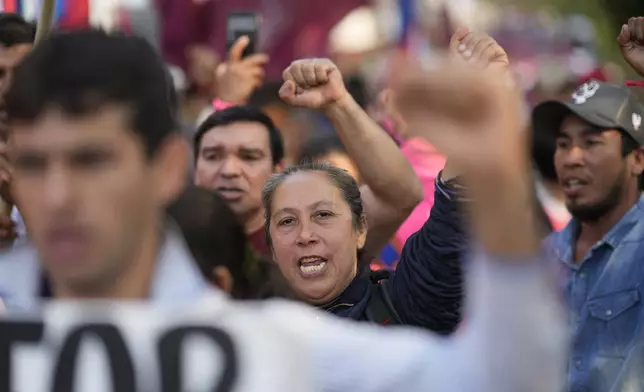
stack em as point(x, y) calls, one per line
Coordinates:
point(279, 166)
point(638, 162)
point(171, 162)
point(222, 278)
point(362, 229)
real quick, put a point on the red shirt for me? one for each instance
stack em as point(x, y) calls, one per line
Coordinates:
point(257, 241)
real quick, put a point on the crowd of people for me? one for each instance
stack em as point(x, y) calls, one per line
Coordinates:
point(140, 257)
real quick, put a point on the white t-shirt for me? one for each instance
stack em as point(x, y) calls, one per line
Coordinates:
point(514, 338)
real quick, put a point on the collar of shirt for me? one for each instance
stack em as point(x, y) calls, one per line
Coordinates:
point(175, 279)
point(352, 300)
point(564, 240)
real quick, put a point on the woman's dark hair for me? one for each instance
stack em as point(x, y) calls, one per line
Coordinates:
point(340, 178)
point(216, 238)
point(543, 152)
point(318, 146)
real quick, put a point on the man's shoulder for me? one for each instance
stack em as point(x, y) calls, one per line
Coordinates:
point(18, 274)
point(557, 241)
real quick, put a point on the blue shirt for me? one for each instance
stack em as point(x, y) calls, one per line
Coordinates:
point(604, 296)
point(427, 287)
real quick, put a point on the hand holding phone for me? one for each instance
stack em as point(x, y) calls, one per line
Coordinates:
point(243, 71)
point(242, 24)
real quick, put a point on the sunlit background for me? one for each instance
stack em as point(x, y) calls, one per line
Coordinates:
point(553, 44)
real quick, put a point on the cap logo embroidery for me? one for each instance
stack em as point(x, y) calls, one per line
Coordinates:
point(585, 91)
point(637, 121)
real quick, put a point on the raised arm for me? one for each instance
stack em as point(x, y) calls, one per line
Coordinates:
point(427, 289)
point(391, 189)
point(428, 284)
point(477, 121)
point(515, 336)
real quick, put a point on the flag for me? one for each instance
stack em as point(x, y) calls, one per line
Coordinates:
point(406, 10)
point(67, 13)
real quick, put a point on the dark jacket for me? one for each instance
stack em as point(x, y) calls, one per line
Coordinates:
point(427, 287)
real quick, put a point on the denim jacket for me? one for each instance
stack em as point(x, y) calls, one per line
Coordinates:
point(604, 295)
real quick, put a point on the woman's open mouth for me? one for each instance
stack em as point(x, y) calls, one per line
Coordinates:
point(312, 266)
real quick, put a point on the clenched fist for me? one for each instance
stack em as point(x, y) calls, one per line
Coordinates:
point(469, 110)
point(313, 84)
point(631, 41)
point(479, 50)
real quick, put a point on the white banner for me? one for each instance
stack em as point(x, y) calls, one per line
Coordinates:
point(135, 347)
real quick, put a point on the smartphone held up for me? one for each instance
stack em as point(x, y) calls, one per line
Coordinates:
point(243, 24)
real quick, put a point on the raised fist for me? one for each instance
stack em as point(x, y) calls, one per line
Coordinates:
point(631, 41)
point(238, 77)
point(313, 84)
point(478, 49)
point(473, 117)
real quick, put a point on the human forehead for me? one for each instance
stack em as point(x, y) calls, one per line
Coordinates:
point(10, 56)
point(573, 125)
point(306, 189)
point(241, 134)
point(55, 128)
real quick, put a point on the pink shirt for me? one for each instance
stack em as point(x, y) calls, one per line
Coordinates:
point(427, 163)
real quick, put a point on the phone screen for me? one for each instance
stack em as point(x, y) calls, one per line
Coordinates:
point(240, 24)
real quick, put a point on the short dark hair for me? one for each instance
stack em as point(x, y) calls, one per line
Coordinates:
point(237, 114)
point(81, 70)
point(213, 234)
point(216, 238)
point(318, 146)
point(340, 178)
point(15, 30)
point(543, 152)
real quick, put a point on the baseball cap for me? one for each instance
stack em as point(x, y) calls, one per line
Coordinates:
point(604, 105)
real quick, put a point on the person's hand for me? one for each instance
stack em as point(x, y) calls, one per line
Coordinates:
point(202, 64)
point(474, 115)
point(631, 41)
point(479, 50)
point(471, 51)
point(239, 76)
point(313, 84)
point(470, 110)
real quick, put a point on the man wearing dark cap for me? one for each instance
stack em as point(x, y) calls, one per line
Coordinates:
point(599, 162)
